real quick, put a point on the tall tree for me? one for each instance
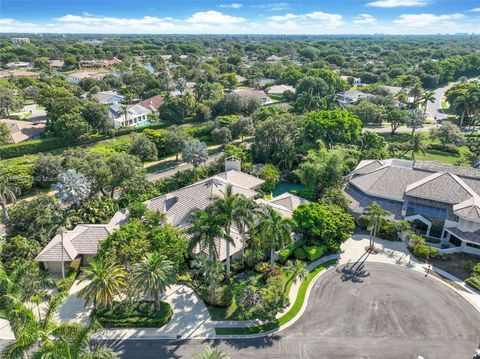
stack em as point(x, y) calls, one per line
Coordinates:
point(205, 230)
point(105, 281)
point(376, 215)
point(7, 192)
point(195, 152)
point(275, 231)
point(417, 146)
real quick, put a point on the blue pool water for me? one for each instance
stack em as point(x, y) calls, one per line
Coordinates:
point(283, 187)
point(144, 123)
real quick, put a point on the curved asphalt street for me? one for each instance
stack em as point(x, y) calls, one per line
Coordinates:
point(368, 310)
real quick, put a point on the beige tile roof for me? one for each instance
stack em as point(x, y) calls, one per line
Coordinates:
point(83, 239)
point(180, 204)
point(241, 179)
point(24, 130)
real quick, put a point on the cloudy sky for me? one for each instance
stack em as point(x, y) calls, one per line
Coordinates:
point(241, 17)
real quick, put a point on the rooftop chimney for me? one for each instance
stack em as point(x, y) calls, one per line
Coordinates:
point(233, 163)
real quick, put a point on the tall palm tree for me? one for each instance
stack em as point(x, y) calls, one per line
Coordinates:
point(230, 208)
point(7, 193)
point(245, 223)
point(427, 96)
point(466, 105)
point(296, 270)
point(275, 231)
point(205, 230)
point(375, 215)
point(72, 341)
point(417, 146)
point(106, 281)
point(211, 273)
point(416, 92)
point(29, 330)
point(212, 353)
point(189, 101)
point(154, 273)
point(416, 119)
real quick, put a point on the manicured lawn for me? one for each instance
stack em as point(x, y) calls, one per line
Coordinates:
point(294, 310)
point(140, 314)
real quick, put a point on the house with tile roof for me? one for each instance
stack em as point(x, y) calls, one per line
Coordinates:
point(441, 201)
point(108, 97)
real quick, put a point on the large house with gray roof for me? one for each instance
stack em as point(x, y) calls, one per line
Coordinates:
point(441, 201)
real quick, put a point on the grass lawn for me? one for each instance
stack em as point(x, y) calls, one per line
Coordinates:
point(430, 155)
point(294, 310)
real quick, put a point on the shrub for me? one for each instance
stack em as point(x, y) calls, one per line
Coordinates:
point(222, 298)
point(283, 255)
point(388, 231)
point(474, 282)
point(300, 253)
point(363, 221)
point(315, 252)
point(237, 265)
point(449, 148)
point(141, 314)
point(262, 267)
point(253, 256)
point(423, 251)
point(74, 265)
point(184, 278)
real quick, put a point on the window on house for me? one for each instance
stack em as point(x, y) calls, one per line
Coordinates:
point(473, 245)
point(426, 211)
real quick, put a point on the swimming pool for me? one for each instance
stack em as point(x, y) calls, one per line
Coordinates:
point(283, 187)
point(144, 123)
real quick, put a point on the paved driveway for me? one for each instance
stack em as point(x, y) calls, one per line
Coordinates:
point(361, 310)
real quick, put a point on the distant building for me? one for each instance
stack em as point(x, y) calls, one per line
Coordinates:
point(99, 64)
point(273, 58)
point(57, 64)
point(17, 73)
point(108, 97)
point(76, 77)
point(20, 40)
point(92, 42)
point(153, 103)
point(257, 93)
point(352, 97)
point(264, 82)
point(280, 89)
point(21, 131)
point(353, 81)
point(18, 65)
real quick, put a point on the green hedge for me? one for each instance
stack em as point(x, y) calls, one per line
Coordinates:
point(141, 314)
point(473, 282)
point(315, 252)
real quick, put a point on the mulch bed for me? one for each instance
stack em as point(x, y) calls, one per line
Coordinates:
point(455, 264)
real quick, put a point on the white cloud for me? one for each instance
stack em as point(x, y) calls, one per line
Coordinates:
point(214, 17)
point(398, 3)
point(280, 6)
point(285, 17)
point(109, 20)
point(323, 16)
point(423, 20)
point(6, 21)
point(233, 5)
point(477, 9)
point(365, 19)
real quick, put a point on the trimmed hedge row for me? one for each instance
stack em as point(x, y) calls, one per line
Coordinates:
point(473, 282)
point(141, 314)
point(310, 253)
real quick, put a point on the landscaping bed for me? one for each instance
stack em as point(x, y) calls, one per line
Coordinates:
point(457, 264)
point(292, 312)
point(142, 314)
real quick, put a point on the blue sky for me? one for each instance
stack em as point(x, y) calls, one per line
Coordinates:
point(240, 17)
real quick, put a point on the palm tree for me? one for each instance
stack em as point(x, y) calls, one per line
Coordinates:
point(375, 215)
point(189, 101)
point(296, 270)
point(210, 271)
point(29, 330)
point(7, 193)
point(246, 222)
point(416, 119)
point(417, 146)
point(212, 353)
point(231, 209)
point(72, 341)
point(154, 273)
point(205, 230)
point(428, 96)
point(416, 92)
point(106, 281)
point(275, 231)
point(465, 105)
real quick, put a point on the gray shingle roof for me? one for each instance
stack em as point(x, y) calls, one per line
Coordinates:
point(468, 236)
point(440, 187)
point(469, 209)
point(180, 204)
point(358, 201)
point(83, 239)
